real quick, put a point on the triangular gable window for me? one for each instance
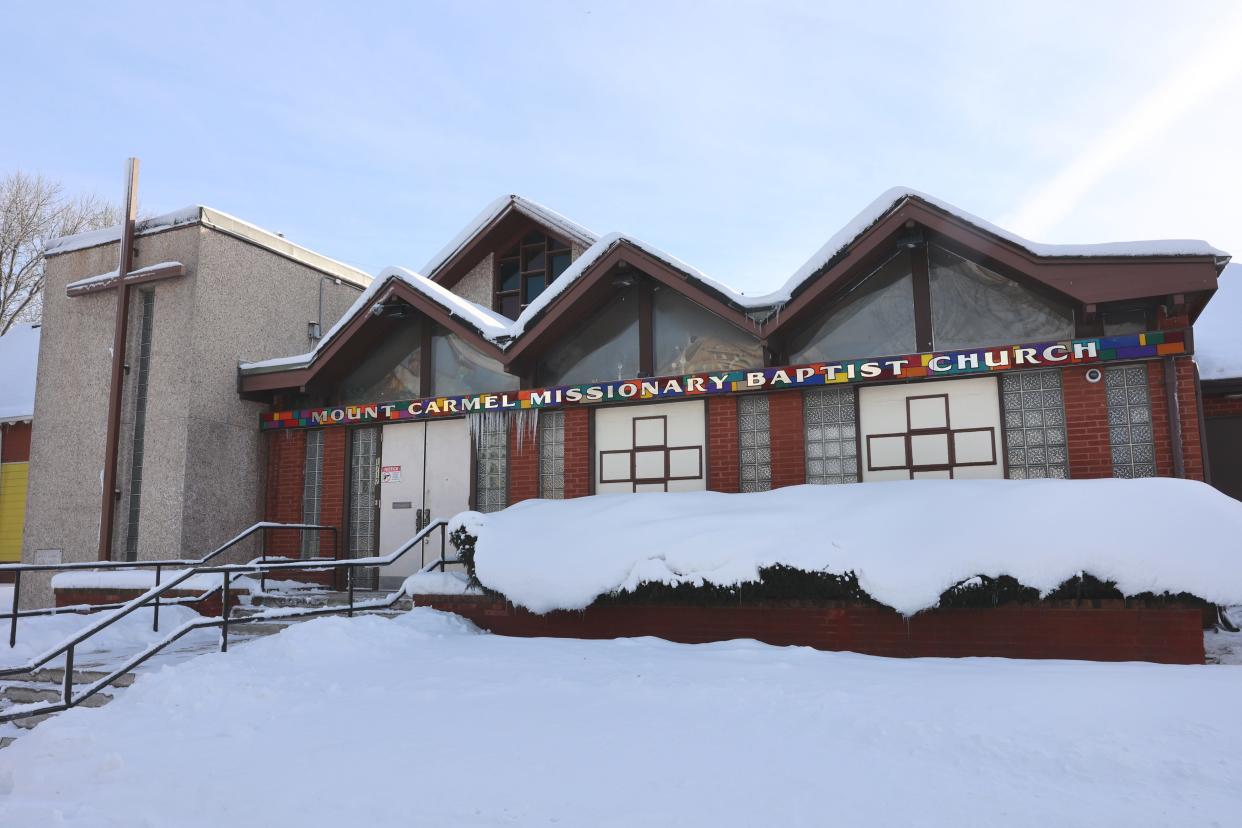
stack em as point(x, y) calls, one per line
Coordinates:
point(523, 271)
point(875, 319)
point(973, 306)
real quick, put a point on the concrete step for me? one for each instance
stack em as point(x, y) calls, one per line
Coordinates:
point(30, 694)
point(56, 675)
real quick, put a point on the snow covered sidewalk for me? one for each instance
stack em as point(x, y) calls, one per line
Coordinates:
point(421, 720)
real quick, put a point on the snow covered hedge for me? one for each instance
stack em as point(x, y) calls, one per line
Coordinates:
point(906, 543)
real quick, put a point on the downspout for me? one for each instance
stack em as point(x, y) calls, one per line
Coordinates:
point(1175, 420)
point(107, 508)
point(1203, 447)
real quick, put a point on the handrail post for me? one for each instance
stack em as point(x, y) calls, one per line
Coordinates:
point(17, 596)
point(350, 577)
point(67, 687)
point(224, 614)
point(155, 624)
point(263, 559)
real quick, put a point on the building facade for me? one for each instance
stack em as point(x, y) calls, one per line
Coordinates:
point(190, 464)
point(537, 359)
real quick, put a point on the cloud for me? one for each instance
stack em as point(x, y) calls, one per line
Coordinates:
point(1213, 67)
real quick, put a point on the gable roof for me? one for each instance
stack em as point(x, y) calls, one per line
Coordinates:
point(1087, 273)
point(19, 364)
point(492, 216)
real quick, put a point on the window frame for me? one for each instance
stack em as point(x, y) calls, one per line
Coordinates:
point(518, 252)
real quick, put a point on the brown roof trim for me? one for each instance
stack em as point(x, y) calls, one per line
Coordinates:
point(1083, 279)
point(301, 376)
point(592, 287)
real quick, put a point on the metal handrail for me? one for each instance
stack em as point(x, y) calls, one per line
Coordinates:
point(17, 569)
point(228, 571)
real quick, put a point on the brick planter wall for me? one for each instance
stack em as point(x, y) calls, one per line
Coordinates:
point(209, 606)
point(1107, 632)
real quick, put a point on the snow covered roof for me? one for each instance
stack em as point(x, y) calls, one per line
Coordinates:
point(1218, 331)
point(19, 363)
point(489, 324)
point(503, 332)
point(497, 209)
point(223, 222)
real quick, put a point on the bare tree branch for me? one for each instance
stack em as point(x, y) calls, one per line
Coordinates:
point(33, 212)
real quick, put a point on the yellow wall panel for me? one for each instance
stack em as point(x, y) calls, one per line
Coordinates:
point(13, 478)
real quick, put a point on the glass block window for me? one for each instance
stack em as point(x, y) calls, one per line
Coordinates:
point(312, 487)
point(1035, 425)
point(1129, 421)
point(363, 477)
point(830, 422)
point(552, 454)
point(754, 444)
point(491, 445)
point(140, 425)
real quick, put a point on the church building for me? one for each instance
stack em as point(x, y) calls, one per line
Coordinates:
point(534, 358)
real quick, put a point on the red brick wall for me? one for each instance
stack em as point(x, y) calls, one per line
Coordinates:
point(1192, 450)
point(209, 606)
point(523, 465)
point(1222, 406)
point(722, 448)
point(787, 439)
point(332, 498)
point(1164, 635)
point(286, 467)
point(15, 443)
point(577, 452)
point(1086, 425)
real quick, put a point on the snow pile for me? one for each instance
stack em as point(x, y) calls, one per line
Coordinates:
point(144, 579)
point(629, 732)
point(37, 635)
point(1218, 331)
point(19, 363)
point(906, 541)
point(439, 583)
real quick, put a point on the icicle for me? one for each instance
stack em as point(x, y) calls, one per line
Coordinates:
point(527, 425)
point(525, 422)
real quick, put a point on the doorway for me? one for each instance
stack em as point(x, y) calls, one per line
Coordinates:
point(424, 474)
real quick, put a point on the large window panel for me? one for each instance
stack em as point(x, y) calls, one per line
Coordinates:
point(690, 340)
point(875, 319)
point(604, 348)
point(458, 368)
point(391, 369)
point(973, 306)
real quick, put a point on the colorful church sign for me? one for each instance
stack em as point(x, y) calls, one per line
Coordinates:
point(879, 369)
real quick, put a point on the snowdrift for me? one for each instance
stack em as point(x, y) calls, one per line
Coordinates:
point(907, 542)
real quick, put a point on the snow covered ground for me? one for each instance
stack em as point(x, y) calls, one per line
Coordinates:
point(35, 636)
point(422, 720)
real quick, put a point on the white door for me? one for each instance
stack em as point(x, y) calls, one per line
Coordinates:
point(946, 429)
point(424, 470)
point(651, 448)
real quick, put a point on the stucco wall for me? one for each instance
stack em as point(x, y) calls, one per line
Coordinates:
point(477, 284)
point(71, 404)
point(251, 304)
point(203, 462)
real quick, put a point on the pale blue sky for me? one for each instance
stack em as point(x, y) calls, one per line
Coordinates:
point(738, 137)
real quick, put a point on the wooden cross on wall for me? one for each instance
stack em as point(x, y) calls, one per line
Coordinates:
point(126, 277)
